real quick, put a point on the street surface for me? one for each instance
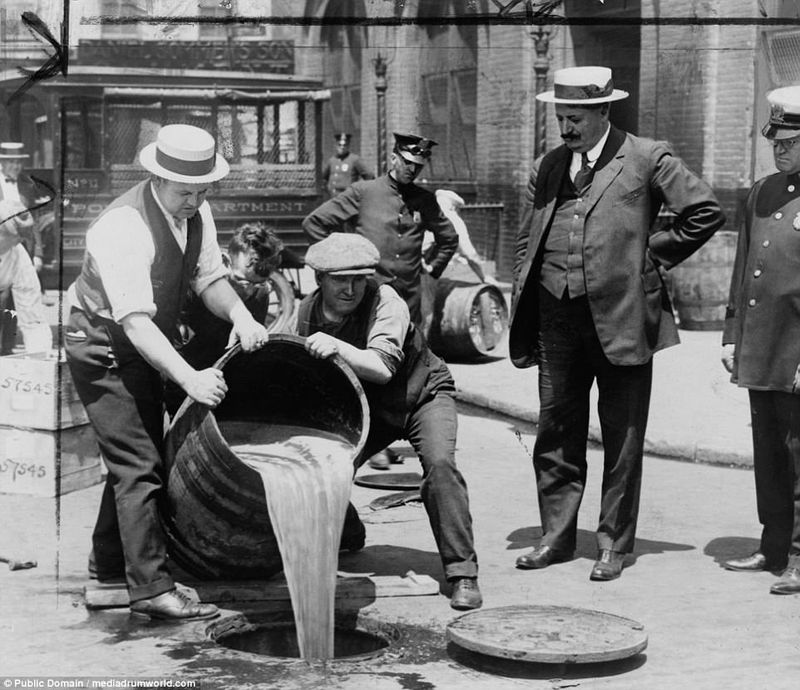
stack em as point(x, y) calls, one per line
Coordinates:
point(708, 628)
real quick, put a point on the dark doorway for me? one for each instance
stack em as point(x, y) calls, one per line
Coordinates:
point(615, 46)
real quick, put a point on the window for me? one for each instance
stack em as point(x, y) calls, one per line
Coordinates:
point(449, 107)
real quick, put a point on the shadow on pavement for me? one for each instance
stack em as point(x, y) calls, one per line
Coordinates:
point(724, 549)
point(528, 537)
point(509, 668)
point(387, 559)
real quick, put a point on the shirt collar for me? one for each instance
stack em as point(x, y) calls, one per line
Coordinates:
point(177, 223)
point(594, 153)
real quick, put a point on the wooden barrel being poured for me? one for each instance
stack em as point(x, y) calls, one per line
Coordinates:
point(215, 513)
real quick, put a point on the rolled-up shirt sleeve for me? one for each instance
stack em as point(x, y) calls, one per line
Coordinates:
point(387, 327)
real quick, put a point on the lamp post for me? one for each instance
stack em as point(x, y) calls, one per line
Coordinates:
point(380, 65)
point(541, 43)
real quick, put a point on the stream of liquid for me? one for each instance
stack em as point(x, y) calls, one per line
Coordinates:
point(307, 476)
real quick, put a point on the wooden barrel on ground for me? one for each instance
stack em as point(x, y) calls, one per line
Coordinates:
point(469, 319)
point(700, 285)
point(215, 513)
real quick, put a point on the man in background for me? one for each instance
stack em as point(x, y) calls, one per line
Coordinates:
point(343, 167)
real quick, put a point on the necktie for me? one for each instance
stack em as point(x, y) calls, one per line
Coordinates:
point(584, 176)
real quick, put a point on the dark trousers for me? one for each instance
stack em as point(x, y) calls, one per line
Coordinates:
point(571, 360)
point(431, 431)
point(8, 322)
point(776, 459)
point(123, 397)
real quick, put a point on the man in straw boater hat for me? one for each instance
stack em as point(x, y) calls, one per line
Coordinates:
point(408, 388)
point(761, 343)
point(143, 253)
point(589, 303)
point(16, 185)
point(344, 167)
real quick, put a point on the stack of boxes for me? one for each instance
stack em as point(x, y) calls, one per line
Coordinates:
point(47, 446)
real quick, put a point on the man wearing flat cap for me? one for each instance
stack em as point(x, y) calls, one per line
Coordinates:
point(409, 389)
point(589, 304)
point(393, 213)
point(144, 252)
point(344, 167)
point(761, 343)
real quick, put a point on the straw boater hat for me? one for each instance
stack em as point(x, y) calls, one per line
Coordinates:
point(343, 254)
point(183, 153)
point(784, 113)
point(582, 86)
point(12, 149)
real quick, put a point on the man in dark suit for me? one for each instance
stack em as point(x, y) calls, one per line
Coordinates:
point(762, 344)
point(589, 303)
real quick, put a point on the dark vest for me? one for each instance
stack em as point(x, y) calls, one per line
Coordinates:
point(562, 258)
point(170, 274)
point(420, 376)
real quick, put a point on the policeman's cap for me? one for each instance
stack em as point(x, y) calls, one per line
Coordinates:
point(784, 113)
point(413, 148)
point(343, 253)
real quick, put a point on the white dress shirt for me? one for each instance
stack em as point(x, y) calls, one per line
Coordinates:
point(592, 155)
point(18, 273)
point(122, 247)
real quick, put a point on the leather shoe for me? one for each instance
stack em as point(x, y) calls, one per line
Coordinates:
point(608, 565)
point(175, 605)
point(755, 562)
point(541, 557)
point(789, 582)
point(466, 594)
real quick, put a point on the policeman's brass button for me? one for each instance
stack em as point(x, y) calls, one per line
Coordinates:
point(778, 215)
point(752, 303)
point(757, 272)
point(765, 243)
point(790, 188)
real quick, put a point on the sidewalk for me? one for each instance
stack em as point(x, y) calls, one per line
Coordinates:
point(696, 413)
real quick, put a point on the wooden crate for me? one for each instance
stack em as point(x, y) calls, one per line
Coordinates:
point(32, 463)
point(30, 394)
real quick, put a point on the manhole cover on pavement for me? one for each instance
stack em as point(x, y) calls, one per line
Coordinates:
point(548, 634)
point(393, 481)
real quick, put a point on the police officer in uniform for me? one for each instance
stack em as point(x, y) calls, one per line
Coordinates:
point(343, 167)
point(761, 343)
point(393, 213)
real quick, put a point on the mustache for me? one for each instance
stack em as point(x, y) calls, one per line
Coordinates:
point(570, 137)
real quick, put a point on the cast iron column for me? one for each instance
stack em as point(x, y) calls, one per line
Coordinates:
point(380, 91)
point(541, 42)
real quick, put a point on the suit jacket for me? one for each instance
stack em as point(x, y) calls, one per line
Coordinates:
point(623, 248)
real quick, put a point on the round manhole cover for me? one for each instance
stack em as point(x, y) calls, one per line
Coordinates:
point(392, 481)
point(548, 634)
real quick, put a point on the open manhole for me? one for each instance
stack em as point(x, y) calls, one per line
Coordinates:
point(279, 639)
